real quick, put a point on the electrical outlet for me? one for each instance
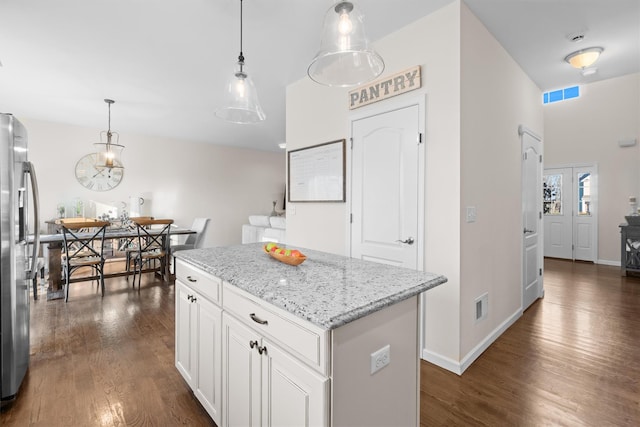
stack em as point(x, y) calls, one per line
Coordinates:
point(380, 358)
point(471, 214)
point(482, 307)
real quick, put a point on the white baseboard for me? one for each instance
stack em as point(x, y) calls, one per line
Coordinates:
point(442, 361)
point(459, 367)
point(607, 262)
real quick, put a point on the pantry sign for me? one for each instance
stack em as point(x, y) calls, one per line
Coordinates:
point(387, 87)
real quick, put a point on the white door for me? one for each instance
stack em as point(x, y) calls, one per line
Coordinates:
point(585, 232)
point(570, 212)
point(558, 213)
point(185, 323)
point(241, 367)
point(209, 384)
point(292, 394)
point(531, 217)
point(386, 156)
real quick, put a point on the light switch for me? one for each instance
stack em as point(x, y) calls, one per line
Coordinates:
point(471, 214)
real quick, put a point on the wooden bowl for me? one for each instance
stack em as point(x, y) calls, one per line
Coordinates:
point(291, 260)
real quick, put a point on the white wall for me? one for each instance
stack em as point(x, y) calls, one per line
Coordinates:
point(317, 114)
point(183, 179)
point(587, 130)
point(472, 146)
point(497, 97)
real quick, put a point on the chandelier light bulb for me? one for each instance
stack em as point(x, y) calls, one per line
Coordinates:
point(345, 26)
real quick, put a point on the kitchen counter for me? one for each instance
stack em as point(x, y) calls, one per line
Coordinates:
point(327, 290)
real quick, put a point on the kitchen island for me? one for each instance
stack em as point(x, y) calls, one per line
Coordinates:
point(331, 342)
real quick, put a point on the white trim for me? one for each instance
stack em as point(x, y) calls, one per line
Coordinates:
point(459, 367)
point(490, 339)
point(522, 129)
point(608, 262)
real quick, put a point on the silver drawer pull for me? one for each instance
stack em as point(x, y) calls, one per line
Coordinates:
point(257, 319)
point(191, 279)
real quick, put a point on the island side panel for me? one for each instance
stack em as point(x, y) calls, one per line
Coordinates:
point(390, 396)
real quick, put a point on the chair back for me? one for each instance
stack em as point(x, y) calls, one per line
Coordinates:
point(151, 239)
point(199, 226)
point(79, 238)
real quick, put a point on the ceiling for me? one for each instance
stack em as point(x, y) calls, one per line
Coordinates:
point(166, 62)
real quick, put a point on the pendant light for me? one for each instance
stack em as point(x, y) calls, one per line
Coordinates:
point(108, 154)
point(242, 105)
point(345, 57)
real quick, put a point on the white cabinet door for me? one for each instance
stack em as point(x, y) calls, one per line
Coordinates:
point(185, 321)
point(241, 374)
point(264, 386)
point(207, 344)
point(293, 394)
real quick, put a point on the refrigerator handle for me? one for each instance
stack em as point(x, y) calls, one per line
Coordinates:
point(30, 169)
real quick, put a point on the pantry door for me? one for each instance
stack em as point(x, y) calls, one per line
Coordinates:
point(387, 160)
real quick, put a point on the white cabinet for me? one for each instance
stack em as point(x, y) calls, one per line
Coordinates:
point(198, 354)
point(264, 386)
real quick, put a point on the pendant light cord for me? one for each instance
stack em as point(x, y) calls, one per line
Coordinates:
point(241, 57)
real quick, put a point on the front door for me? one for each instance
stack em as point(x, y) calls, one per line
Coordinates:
point(386, 156)
point(558, 213)
point(531, 217)
point(570, 212)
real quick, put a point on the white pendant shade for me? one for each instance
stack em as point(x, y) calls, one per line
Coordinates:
point(345, 57)
point(241, 104)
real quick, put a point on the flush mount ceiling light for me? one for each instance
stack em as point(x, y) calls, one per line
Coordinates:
point(584, 58)
point(241, 105)
point(345, 57)
point(108, 152)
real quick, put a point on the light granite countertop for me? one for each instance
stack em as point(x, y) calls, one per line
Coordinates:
point(327, 290)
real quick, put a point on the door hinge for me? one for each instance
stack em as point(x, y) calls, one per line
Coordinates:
point(540, 271)
point(540, 158)
point(524, 156)
point(351, 218)
point(420, 138)
point(539, 215)
point(351, 140)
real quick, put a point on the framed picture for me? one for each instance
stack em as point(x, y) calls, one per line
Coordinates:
point(317, 173)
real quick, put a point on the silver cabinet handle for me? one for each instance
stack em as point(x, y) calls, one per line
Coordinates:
point(262, 349)
point(192, 280)
point(409, 241)
point(526, 230)
point(253, 344)
point(257, 319)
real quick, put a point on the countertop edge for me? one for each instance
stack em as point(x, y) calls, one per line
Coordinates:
point(335, 321)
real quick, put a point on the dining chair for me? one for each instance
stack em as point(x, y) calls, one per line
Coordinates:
point(194, 241)
point(131, 244)
point(83, 246)
point(152, 244)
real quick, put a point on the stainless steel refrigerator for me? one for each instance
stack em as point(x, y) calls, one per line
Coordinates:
point(17, 186)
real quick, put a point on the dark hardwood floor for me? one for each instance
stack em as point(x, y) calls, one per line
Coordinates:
point(572, 359)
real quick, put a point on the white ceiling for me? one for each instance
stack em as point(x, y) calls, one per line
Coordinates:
point(166, 62)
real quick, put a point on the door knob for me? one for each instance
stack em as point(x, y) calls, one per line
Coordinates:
point(409, 241)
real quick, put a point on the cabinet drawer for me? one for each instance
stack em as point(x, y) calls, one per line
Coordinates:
point(201, 282)
point(301, 338)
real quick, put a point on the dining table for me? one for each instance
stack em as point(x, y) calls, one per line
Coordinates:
point(54, 241)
